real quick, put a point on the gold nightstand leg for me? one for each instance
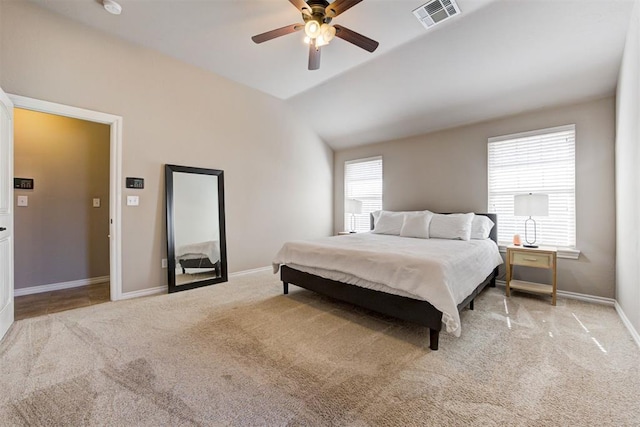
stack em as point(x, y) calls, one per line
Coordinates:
point(553, 295)
point(508, 293)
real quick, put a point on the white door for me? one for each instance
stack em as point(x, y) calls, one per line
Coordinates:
point(6, 213)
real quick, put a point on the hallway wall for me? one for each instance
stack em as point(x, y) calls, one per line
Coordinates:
point(60, 236)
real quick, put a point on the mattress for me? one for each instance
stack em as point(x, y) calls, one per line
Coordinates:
point(442, 272)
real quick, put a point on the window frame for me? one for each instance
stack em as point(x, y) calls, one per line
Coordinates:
point(346, 217)
point(563, 251)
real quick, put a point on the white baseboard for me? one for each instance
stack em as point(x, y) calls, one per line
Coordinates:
point(57, 286)
point(587, 298)
point(577, 296)
point(253, 270)
point(144, 292)
point(627, 323)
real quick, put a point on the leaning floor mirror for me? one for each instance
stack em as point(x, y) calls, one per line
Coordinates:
point(196, 246)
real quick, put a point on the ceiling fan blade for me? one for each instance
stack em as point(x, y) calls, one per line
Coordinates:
point(356, 38)
point(339, 6)
point(302, 6)
point(314, 56)
point(261, 38)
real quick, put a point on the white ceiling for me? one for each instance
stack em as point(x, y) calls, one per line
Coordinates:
point(498, 57)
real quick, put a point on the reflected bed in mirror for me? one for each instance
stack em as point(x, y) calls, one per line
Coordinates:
point(196, 245)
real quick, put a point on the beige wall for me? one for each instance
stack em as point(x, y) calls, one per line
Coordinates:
point(447, 171)
point(278, 173)
point(628, 176)
point(60, 236)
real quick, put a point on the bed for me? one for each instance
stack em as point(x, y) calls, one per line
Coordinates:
point(384, 285)
point(199, 255)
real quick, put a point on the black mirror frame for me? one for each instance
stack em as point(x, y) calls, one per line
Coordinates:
point(171, 259)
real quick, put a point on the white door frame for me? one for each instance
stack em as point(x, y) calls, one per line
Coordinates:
point(6, 210)
point(115, 174)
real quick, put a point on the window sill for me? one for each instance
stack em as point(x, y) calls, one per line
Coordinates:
point(567, 253)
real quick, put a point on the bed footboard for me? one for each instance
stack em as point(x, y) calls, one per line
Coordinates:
point(412, 310)
point(409, 309)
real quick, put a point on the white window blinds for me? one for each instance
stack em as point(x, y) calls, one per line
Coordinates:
point(535, 162)
point(363, 192)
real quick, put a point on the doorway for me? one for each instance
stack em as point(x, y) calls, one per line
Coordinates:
point(113, 198)
point(64, 203)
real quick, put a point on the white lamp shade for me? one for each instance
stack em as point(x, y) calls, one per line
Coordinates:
point(328, 32)
point(353, 206)
point(312, 29)
point(531, 204)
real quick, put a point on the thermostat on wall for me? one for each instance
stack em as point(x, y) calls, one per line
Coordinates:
point(135, 182)
point(23, 183)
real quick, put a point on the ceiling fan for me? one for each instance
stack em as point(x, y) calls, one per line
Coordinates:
point(317, 16)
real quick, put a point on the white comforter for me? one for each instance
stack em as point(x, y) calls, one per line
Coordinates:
point(442, 272)
point(208, 249)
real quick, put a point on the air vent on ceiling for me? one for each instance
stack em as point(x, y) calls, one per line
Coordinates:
point(436, 11)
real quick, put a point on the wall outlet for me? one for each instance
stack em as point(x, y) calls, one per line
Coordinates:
point(96, 203)
point(133, 200)
point(164, 263)
point(23, 200)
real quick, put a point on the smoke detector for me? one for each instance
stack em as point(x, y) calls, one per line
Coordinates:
point(436, 11)
point(112, 7)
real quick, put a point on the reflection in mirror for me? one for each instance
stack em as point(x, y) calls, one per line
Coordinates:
point(196, 245)
point(195, 227)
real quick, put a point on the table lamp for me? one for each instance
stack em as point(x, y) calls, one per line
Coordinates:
point(353, 206)
point(531, 205)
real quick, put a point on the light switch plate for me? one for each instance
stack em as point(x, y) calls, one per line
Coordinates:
point(164, 263)
point(133, 200)
point(23, 200)
point(96, 203)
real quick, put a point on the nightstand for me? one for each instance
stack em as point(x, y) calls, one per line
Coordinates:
point(542, 257)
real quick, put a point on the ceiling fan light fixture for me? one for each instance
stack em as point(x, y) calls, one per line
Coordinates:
point(312, 29)
point(317, 15)
point(321, 41)
point(112, 7)
point(327, 32)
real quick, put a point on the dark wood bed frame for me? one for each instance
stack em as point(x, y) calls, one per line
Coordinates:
point(204, 262)
point(409, 309)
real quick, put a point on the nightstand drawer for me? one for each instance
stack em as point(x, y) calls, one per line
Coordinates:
point(532, 259)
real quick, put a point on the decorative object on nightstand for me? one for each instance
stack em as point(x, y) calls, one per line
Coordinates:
point(542, 257)
point(345, 233)
point(354, 207)
point(531, 205)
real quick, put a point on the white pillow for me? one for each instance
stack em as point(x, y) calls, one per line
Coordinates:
point(481, 227)
point(389, 223)
point(416, 224)
point(376, 216)
point(452, 226)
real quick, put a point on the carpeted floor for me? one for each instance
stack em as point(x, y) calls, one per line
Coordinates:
point(241, 353)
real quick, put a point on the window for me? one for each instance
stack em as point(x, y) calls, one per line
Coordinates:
point(362, 192)
point(535, 162)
